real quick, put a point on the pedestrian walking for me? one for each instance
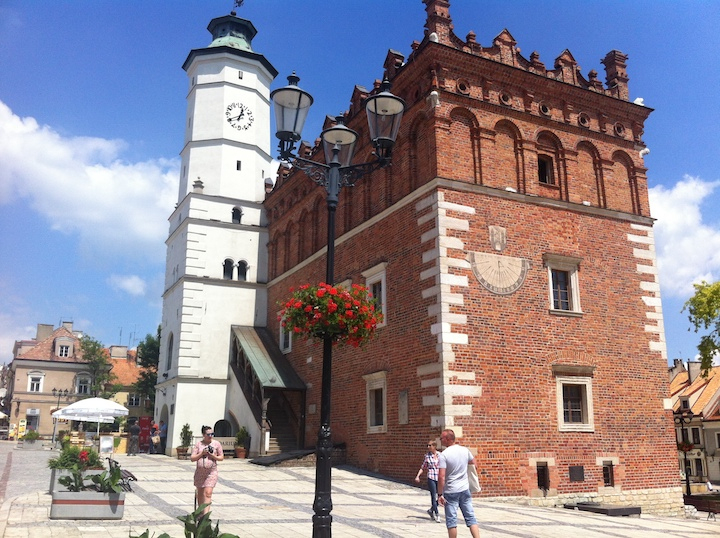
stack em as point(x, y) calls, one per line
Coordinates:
point(207, 452)
point(430, 464)
point(453, 484)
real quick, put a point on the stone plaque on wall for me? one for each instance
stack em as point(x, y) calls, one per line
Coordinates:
point(403, 417)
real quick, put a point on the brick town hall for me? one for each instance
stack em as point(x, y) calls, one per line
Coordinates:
point(510, 245)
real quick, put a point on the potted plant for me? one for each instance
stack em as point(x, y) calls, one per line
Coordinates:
point(68, 457)
point(325, 311)
point(241, 438)
point(186, 435)
point(88, 495)
point(31, 438)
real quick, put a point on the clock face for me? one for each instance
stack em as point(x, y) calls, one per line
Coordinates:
point(239, 116)
point(501, 275)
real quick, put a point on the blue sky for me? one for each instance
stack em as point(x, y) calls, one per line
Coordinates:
point(92, 109)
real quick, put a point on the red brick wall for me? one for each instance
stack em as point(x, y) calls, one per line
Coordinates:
point(478, 147)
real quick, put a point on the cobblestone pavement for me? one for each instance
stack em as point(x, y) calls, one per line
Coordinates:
point(263, 502)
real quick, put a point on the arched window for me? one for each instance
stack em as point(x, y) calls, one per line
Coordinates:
point(236, 215)
point(168, 359)
point(228, 269)
point(242, 271)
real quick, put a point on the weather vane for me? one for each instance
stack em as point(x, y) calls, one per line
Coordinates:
point(237, 4)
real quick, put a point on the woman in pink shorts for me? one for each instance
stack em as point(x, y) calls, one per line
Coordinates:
point(206, 452)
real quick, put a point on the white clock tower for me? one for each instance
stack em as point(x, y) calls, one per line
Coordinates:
point(216, 267)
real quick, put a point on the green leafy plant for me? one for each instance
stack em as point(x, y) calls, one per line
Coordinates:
point(70, 456)
point(78, 461)
point(241, 436)
point(31, 435)
point(196, 526)
point(345, 316)
point(186, 435)
point(684, 446)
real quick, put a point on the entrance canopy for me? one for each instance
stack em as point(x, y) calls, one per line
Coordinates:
point(269, 364)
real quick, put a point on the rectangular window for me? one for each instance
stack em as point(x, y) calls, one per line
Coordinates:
point(134, 400)
point(83, 386)
point(238, 166)
point(285, 339)
point(376, 393)
point(699, 467)
point(696, 436)
point(35, 384)
point(64, 351)
point(684, 435)
point(563, 280)
point(375, 281)
point(545, 170)
point(562, 299)
point(608, 474)
point(574, 404)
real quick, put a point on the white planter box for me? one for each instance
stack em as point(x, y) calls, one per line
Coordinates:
point(87, 505)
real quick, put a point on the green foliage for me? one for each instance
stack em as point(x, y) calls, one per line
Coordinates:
point(70, 455)
point(31, 435)
point(98, 363)
point(186, 435)
point(148, 358)
point(704, 313)
point(108, 481)
point(196, 526)
point(241, 436)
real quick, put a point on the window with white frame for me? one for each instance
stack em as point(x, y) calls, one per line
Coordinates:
point(134, 400)
point(83, 385)
point(376, 394)
point(564, 287)
point(575, 404)
point(63, 351)
point(285, 338)
point(375, 281)
point(35, 381)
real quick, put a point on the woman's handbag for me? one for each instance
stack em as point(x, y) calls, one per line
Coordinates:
point(155, 439)
point(473, 479)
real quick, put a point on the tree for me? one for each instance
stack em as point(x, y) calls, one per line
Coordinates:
point(95, 356)
point(148, 358)
point(704, 313)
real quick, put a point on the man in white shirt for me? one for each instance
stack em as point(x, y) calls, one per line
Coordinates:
point(453, 486)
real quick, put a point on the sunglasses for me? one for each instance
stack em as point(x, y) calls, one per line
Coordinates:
point(210, 434)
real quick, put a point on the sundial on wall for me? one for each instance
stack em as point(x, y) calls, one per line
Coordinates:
point(499, 274)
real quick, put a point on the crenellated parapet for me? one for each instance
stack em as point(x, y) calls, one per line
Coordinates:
point(504, 49)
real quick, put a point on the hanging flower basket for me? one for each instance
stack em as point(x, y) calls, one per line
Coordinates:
point(685, 446)
point(345, 316)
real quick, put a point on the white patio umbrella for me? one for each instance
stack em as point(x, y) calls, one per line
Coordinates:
point(92, 410)
point(3, 415)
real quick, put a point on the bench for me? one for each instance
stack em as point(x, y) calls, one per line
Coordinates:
point(711, 505)
point(125, 476)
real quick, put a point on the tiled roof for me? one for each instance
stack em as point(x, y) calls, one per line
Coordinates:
point(126, 371)
point(701, 392)
point(45, 349)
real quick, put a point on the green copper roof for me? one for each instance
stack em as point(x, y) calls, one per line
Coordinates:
point(232, 31)
point(271, 367)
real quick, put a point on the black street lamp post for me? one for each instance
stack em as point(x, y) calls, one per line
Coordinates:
point(384, 112)
point(681, 419)
point(59, 393)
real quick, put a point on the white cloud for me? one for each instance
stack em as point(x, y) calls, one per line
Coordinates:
point(687, 245)
point(80, 185)
point(132, 284)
